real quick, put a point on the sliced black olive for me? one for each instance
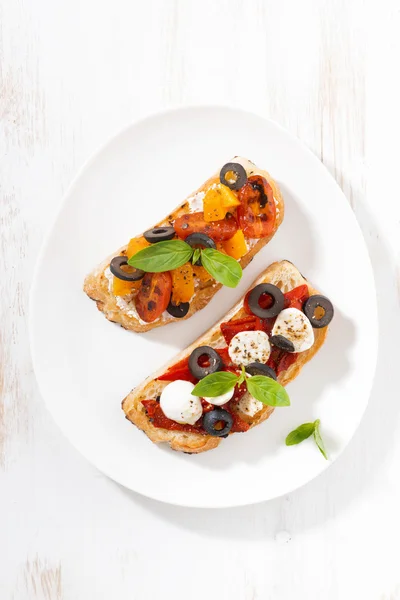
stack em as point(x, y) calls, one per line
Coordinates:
point(281, 342)
point(319, 311)
point(217, 422)
point(278, 300)
point(213, 358)
point(130, 274)
point(178, 310)
point(159, 234)
point(256, 368)
point(240, 174)
point(200, 239)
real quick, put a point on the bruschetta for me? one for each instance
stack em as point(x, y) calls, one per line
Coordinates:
point(235, 213)
point(276, 328)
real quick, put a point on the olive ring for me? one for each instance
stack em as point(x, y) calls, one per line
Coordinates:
point(240, 172)
point(278, 300)
point(323, 303)
point(212, 418)
point(116, 269)
point(214, 359)
point(200, 239)
point(159, 234)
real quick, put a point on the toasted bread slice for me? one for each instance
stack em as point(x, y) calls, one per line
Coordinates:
point(121, 309)
point(282, 274)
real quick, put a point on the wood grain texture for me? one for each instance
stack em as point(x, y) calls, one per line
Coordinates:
point(39, 581)
point(71, 74)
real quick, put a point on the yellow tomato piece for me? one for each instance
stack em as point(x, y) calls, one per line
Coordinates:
point(136, 244)
point(182, 284)
point(220, 247)
point(200, 274)
point(229, 198)
point(123, 288)
point(213, 209)
point(236, 246)
point(217, 202)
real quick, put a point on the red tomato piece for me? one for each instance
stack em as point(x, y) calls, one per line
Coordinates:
point(219, 231)
point(153, 296)
point(257, 210)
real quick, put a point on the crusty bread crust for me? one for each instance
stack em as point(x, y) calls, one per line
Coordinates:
point(96, 284)
point(282, 274)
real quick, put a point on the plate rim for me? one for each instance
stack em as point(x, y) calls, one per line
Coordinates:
point(46, 240)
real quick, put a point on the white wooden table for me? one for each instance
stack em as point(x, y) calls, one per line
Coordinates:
point(72, 72)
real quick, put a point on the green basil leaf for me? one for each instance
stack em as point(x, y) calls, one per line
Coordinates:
point(215, 384)
point(267, 390)
point(300, 434)
point(223, 268)
point(196, 255)
point(318, 439)
point(162, 256)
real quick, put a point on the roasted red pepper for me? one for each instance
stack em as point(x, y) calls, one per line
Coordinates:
point(280, 360)
point(250, 323)
point(238, 426)
point(179, 371)
point(296, 297)
point(158, 419)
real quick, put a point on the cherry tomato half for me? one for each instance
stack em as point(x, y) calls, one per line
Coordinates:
point(153, 296)
point(257, 211)
point(219, 231)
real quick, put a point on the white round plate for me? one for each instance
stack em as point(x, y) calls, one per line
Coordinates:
point(86, 365)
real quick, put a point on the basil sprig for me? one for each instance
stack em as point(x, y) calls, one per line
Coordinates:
point(303, 432)
point(262, 388)
point(196, 255)
point(172, 254)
